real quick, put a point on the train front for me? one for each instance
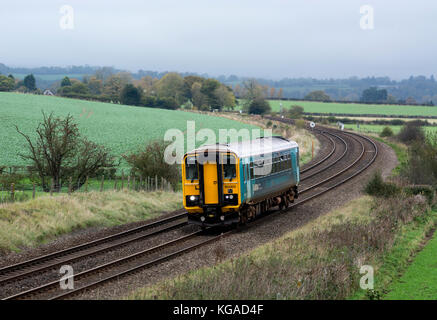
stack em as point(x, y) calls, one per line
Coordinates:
point(211, 188)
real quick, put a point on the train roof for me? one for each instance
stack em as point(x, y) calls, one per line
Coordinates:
point(251, 147)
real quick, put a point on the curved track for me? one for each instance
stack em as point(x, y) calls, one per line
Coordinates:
point(347, 155)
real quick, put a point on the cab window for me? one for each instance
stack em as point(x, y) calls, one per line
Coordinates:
point(191, 170)
point(229, 168)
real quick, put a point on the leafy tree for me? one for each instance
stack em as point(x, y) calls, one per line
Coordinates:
point(259, 106)
point(317, 95)
point(80, 88)
point(114, 84)
point(209, 88)
point(373, 94)
point(60, 153)
point(252, 92)
point(198, 98)
point(6, 83)
point(30, 83)
point(65, 82)
point(225, 97)
point(130, 95)
point(95, 86)
point(171, 86)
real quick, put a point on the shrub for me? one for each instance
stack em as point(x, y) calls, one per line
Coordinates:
point(411, 132)
point(259, 106)
point(167, 103)
point(421, 167)
point(427, 191)
point(295, 112)
point(377, 187)
point(150, 162)
point(7, 179)
point(300, 123)
point(386, 132)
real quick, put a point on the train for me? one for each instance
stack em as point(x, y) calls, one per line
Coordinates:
point(231, 184)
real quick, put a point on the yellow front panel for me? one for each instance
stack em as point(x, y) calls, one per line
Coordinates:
point(211, 183)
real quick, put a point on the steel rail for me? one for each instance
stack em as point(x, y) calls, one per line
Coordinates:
point(181, 251)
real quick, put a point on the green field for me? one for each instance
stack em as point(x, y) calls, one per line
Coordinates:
point(376, 128)
point(420, 280)
point(348, 108)
point(121, 128)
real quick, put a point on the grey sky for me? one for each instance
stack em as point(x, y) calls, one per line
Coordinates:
point(274, 38)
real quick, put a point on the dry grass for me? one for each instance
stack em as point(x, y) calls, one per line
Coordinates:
point(29, 223)
point(319, 261)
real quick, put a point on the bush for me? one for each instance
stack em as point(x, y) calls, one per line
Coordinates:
point(377, 187)
point(421, 167)
point(7, 179)
point(300, 123)
point(150, 162)
point(427, 191)
point(295, 112)
point(411, 132)
point(166, 103)
point(386, 132)
point(130, 95)
point(259, 106)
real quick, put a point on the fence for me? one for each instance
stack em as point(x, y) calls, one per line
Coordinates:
point(31, 191)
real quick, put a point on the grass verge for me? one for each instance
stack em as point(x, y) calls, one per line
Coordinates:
point(34, 222)
point(419, 282)
point(321, 260)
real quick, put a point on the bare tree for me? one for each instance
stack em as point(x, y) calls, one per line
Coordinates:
point(60, 153)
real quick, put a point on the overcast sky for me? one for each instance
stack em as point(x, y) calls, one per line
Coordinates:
point(269, 38)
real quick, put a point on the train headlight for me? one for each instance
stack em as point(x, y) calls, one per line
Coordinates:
point(192, 200)
point(202, 218)
point(231, 199)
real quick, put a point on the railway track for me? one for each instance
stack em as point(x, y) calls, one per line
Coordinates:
point(348, 155)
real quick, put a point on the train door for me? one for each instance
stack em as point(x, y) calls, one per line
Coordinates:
point(295, 165)
point(210, 180)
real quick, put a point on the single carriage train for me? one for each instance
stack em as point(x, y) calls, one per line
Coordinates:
point(233, 183)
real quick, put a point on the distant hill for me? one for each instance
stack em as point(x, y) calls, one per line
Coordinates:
point(422, 89)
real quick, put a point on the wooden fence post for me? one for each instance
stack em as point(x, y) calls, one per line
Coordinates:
point(51, 187)
point(156, 182)
point(134, 184)
point(33, 191)
point(13, 191)
point(122, 179)
point(141, 182)
point(70, 180)
point(86, 184)
point(128, 182)
point(102, 182)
